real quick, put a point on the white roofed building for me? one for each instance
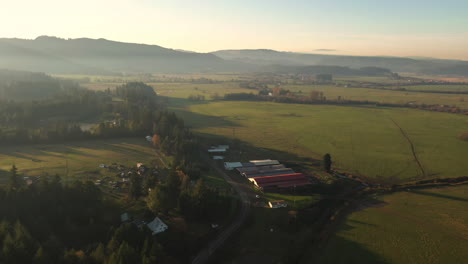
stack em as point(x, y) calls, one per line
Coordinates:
point(232, 165)
point(264, 162)
point(157, 226)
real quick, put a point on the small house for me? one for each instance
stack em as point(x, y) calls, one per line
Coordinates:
point(277, 204)
point(157, 226)
point(125, 217)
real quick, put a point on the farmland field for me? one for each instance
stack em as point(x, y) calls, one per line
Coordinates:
point(386, 96)
point(418, 226)
point(362, 140)
point(83, 157)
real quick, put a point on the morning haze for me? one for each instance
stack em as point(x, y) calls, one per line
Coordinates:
point(266, 132)
point(398, 28)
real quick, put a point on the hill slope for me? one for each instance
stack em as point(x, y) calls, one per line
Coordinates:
point(50, 54)
point(395, 64)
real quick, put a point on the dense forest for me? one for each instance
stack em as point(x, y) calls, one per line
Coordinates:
point(57, 119)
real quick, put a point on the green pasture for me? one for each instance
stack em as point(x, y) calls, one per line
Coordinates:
point(361, 140)
point(417, 226)
point(438, 87)
point(384, 96)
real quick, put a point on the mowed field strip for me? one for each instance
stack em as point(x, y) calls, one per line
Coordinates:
point(417, 226)
point(363, 140)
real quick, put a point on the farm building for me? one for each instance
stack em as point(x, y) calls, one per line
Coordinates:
point(277, 204)
point(157, 226)
point(218, 157)
point(264, 173)
point(280, 181)
point(264, 162)
point(232, 165)
point(226, 147)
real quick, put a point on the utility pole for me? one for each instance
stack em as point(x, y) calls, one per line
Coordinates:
point(294, 195)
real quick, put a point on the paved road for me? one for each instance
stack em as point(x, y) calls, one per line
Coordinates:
point(204, 255)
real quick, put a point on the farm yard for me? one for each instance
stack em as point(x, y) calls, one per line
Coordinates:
point(415, 226)
point(82, 158)
point(363, 140)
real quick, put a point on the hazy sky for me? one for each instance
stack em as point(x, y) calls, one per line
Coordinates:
point(357, 27)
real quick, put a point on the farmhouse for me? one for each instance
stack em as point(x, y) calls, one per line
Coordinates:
point(280, 181)
point(157, 226)
point(277, 204)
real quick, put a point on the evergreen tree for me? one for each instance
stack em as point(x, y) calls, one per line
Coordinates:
point(15, 181)
point(99, 254)
point(327, 162)
point(136, 186)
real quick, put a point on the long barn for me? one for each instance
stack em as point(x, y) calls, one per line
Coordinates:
point(280, 181)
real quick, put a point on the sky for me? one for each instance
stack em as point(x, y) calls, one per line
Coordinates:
point(426, 28)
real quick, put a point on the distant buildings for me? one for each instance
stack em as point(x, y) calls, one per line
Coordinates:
point(269, 175)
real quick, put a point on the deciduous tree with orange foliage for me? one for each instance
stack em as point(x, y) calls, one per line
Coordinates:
point(156, 140)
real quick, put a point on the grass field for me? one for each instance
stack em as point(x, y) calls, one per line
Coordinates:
point(362, 140)
point(453, 88)
point(83, 158)
point(418, 226)
point(385, 96)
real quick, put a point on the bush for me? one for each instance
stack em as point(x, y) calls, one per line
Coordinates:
point(463, 136)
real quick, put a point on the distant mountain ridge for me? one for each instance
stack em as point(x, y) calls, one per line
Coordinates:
point(101, 56)
point(395, 64)
point(84, 55)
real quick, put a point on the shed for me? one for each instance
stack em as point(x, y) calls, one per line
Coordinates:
point(232, 165)
point(157, 226)
point(216, 150)
point(218, 157)
point(265, 173)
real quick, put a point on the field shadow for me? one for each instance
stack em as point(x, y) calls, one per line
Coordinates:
point(123, 149)
point(244, 151)
point(343, 251)
point(196, 120)
point(177, 102)
point(438, 195)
